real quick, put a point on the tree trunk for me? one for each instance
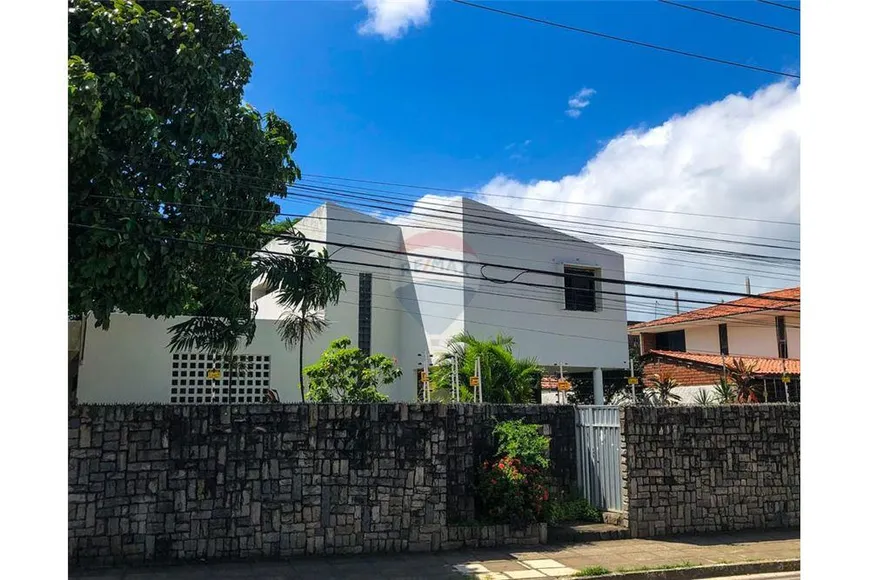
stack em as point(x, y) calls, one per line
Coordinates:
point(301, 387)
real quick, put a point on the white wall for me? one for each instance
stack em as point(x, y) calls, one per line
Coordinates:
point(536, 316)
point(793, 336)
point(704, 338)
point(752, 339)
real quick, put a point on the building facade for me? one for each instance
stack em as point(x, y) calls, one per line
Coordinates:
point(696, 347)
point(411, 286)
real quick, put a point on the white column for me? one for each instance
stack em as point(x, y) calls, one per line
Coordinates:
point(598, 386)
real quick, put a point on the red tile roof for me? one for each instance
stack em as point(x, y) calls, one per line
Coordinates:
point(763, 365)
point(777, 300)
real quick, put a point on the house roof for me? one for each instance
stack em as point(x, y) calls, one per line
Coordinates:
point(777, 300)
point(763, 365)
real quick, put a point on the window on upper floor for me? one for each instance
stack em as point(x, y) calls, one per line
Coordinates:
point(673, 341)
point(781, 337)
point(580, 289)
point(723, 339)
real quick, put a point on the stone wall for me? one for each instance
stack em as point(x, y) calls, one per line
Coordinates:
point(171, 483)
point(708, 469)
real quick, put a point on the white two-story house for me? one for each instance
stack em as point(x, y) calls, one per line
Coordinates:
point(696, 347)
point(410, 287)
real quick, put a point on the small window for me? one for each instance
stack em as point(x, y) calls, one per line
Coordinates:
point(580, 289)
point(364, 340)
point(781, 338)
point(674, 341)
point(723, 339)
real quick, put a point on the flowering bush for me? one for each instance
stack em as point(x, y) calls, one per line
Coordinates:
point(511, 492)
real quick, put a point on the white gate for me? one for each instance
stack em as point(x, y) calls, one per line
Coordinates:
point(599, 475)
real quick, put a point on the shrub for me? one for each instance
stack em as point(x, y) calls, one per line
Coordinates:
point(512, 492)
point(522, 441)
point(512, 488)
point(571, 509)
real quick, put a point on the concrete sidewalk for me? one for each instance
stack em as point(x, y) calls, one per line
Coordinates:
point(549, 561)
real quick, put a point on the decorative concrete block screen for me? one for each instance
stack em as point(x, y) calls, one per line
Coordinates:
point(194, 382)
point(182, 482)
point(709, 469)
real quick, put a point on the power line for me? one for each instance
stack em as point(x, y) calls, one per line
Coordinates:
point(627, 40)
point(531, 240)
point(541, 214)
point(457, 260)
point(729, 17)
point(522, 270)
point(778, 5)
point(533, 228)
point(232, 247)
point(570, 202)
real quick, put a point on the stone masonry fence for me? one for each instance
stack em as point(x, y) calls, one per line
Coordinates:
point(161, 483)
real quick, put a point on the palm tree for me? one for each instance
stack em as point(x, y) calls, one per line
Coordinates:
point(724, 392)
point(506, 379)
point(294, 328)
point(662, 387)
point(304, 284)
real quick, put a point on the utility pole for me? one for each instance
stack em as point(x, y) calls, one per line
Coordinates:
point(454, 379)
point(632, 380)
point(478, 388)
point(677, 301)
point(748, 288)
point(427, 388)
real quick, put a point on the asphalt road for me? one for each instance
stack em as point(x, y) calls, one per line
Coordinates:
point(776, 576)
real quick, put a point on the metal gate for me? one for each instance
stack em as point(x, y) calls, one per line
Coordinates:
point(599, 476)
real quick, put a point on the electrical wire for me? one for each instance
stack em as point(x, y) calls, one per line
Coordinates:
point(570, 202)
point(778, 5)
point(253, 251)
point(729, 17)
point(626, 40)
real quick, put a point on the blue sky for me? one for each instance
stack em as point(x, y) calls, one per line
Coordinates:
point(466, 95)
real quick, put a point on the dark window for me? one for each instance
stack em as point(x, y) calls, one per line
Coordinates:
point(673, 341)
point(723, 339)
point(580, 289)
point(365, 313)
point(781, 339)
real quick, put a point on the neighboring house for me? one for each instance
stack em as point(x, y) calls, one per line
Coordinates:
point(695, 347)
point(398, 302)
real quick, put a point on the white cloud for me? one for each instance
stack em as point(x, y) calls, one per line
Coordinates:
point(579, 101)
point(739, 156)
point(391, 19)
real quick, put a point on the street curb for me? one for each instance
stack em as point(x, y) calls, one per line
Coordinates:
point(712, 571)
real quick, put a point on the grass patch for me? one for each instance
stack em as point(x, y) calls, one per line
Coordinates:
point(677, 566)
point(591, 571)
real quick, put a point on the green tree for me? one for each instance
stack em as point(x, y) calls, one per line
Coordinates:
point(506, 379)
point(304, 286)
point(345, 374)
point(164, 155)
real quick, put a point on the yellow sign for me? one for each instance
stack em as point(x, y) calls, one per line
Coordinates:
point(475, 381)
point(564, 385)
point(424, 377)
point(632, 380)
point(786, 379)
point(213, 375)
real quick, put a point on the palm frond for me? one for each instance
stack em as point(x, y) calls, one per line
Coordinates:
point(296, 326)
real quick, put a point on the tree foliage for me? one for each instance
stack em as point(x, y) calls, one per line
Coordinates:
point(164, 155)
point(506, 379)
point(345, 374)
